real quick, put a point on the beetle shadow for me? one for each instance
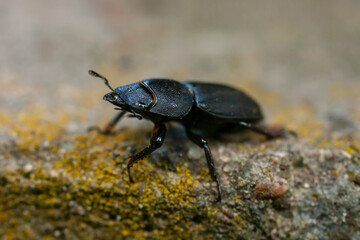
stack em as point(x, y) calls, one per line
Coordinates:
point(175, 150)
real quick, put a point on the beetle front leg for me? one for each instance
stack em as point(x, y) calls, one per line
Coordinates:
point(156, 141)
point(110, 126)
point(201, 142)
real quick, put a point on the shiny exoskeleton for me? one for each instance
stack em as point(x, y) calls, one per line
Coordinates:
point(202, 108)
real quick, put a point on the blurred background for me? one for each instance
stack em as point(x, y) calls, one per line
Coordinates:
point(302, 52)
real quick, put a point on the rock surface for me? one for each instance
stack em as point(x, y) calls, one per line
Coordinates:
point(299, 60)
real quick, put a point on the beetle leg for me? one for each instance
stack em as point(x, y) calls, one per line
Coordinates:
point(156, 141)
point(201, 142)
point(110, 126)
point(269, 135)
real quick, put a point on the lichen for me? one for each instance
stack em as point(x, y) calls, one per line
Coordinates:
point(56, 183)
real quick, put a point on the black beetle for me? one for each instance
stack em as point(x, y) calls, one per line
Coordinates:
point(202, 108)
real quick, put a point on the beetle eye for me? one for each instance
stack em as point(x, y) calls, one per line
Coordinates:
point(129, 90)
point(114, 97)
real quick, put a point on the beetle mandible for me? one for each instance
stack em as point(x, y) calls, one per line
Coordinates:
point(202, 108)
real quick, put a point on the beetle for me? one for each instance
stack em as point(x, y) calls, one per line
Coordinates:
point(204, 109)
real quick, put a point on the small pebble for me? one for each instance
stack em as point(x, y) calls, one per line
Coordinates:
point(268, 189)
point(194, 152)
point(275, 161)
point(157, 191)
point(280, 154)
point(28, 167)
point(283, 166)
point(57, 233)
point(54, 173)
point(324, 154)
point(224, 154)
point(227, 169)
point(346, 154)
point(46, 144)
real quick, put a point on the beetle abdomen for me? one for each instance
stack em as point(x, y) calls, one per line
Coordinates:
point(225, 102)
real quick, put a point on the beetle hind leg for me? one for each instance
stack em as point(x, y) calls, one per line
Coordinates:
point(202, 142)
point(156, 142)
point(269, 133)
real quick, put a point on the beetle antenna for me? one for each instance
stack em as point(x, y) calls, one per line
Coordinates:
point(95, 74)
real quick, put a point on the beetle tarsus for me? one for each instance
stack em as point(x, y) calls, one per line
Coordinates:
point(99, 130)
point(201, 142)
point(108, 130)
point(279, 133)
point(129, 173)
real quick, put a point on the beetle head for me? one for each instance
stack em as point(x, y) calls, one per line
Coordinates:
point(133, 97)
